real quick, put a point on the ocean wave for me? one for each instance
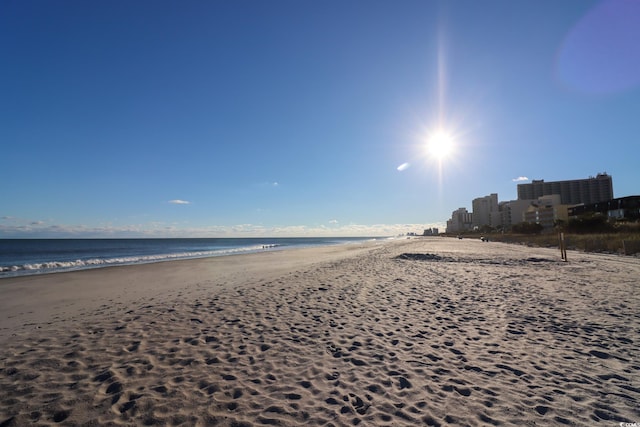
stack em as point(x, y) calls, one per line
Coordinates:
point(80, 264)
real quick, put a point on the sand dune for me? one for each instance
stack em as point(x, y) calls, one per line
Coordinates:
point(417, 332)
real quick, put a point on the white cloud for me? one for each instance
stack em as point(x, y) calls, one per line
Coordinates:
point(160, 229)
point(179, 202)
point(403, 166)
point(333, 221)
point(520, 178)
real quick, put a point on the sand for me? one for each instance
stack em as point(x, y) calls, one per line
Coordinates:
point(432, 331)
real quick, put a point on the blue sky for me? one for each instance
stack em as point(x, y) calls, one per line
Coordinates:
point(255, 118)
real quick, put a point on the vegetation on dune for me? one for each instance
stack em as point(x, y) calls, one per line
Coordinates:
point(588, 233)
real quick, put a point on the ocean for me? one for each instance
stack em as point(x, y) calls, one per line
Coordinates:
point(20, 257)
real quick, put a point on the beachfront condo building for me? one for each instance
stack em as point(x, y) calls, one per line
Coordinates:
point(485, 211)
point(512, 212)
point(461, 220)
point(572, 192)
point(547, 211)
point(621, 208)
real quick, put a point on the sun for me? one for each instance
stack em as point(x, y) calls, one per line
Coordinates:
point(440, 144)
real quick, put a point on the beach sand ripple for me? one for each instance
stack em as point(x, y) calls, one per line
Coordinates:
point(425, 332)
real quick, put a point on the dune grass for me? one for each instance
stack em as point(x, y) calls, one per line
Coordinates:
point(624, 242)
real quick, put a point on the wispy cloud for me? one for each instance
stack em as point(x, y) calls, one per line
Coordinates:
point(179, 202)
point(403, 166)
point(520, 179)
point(333, 221)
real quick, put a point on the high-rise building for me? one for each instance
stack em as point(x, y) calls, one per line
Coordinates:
point(461, 220)
point(572, 192)
point(430, 232)
point(485, 211)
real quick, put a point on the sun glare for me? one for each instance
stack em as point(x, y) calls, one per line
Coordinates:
point(440, 145)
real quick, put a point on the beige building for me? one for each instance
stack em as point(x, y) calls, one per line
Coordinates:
point(546, 211)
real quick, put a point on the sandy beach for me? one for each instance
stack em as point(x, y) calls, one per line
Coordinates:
point(428, 331)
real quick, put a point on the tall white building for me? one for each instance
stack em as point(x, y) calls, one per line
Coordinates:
point(461, 220)
point(485, 211)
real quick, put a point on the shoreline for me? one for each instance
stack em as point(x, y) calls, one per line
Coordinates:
point(94, 257)
point(425, 331)
point(34, 299)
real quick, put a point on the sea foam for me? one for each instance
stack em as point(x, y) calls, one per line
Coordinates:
point(79, 264)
